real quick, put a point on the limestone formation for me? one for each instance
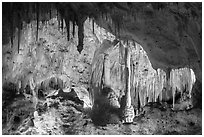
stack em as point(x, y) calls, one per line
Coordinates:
point(90, 68)
point(144, 84)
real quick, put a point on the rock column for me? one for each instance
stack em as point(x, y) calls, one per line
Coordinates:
point(128, 112)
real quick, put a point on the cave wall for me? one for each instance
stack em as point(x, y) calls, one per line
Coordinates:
point(52, 55)
point(170, 33)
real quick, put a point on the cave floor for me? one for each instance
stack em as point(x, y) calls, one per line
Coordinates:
point(61, 116)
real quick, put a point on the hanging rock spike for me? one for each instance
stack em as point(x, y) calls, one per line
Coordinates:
point(158, 86)
point(19, 31)
point(68, 28)
point(62, 24)
point(115, 28)
point(11, 25)
point(93, 25)
point(50, 11)
point(73, 28)
point(58, 19)
point(37, 12)
point(106, 16)
point(118, 26)
point(106, 71)
point(80, 33)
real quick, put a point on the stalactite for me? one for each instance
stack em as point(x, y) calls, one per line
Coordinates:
point(102, 15)
point(127, 75)
point(19, 31)
point(80, 34)
point(11, 35)
point(59, 24)
point(68, 28)
point(193, 80)
point(62, 24)
point(121, 60)
point(156, 85)
point(50, 11)
point(106, 71)
point(93, 25)
point(179, 78)
point(153, 89)
point(58, 19)
point(118, 26)
point(89, 19)
point(11, 24)
point(37, 12)
point(73, 28)
point(173, 86)
point(106, 16)
point(132, 78)
point(115, 28)
point(145, 95)
point(27, 13)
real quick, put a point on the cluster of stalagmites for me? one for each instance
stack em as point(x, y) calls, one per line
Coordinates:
point(146, 84)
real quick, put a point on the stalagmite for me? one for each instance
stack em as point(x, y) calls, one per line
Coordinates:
point(127, 69)
point(128, 110)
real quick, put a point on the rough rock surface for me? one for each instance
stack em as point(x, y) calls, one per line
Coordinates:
point(52, 64)
point(65, 118)
point(146, 84)
point(169, 32)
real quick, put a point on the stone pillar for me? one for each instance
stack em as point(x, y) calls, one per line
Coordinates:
point(128, 112)
point(127, 76)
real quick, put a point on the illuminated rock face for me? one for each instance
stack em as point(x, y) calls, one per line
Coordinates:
point(170, 32)
point(52, 56)
point(146, 84)
point(44, 59)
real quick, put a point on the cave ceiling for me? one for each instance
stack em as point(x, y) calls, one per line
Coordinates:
point(170, 33)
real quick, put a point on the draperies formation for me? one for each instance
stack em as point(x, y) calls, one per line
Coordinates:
point(146, 84)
